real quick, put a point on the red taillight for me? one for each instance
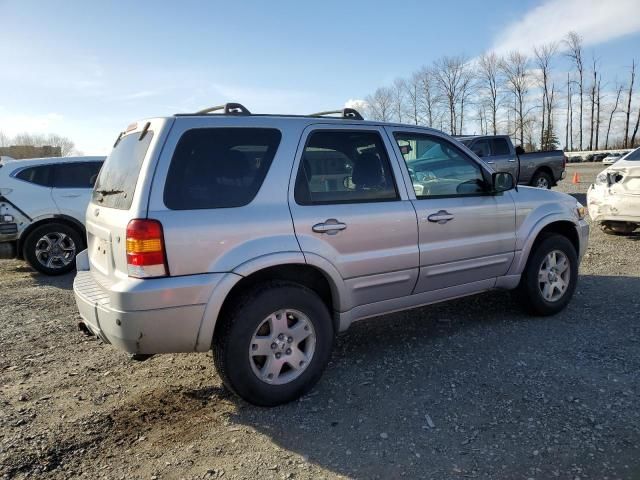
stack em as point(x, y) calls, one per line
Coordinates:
point(145, 249)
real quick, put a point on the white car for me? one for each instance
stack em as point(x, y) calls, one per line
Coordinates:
point(42, 209)
point(611, 158)
point(614, 198)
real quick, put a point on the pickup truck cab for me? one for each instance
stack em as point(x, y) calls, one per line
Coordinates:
point(261, 237)
point(538, 169)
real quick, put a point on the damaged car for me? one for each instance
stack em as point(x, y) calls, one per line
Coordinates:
point(614, 199)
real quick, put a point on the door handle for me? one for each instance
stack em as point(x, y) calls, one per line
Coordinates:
point(513, 160)
point(71, 195)
point(330, 226)
point(441, 217)
point(490, 162)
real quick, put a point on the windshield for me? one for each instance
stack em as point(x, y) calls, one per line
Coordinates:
point(118, 177)
point(633, 156)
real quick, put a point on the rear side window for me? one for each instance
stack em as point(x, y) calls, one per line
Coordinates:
point(344, 167)
point(76, 175)
point(41, 175)
point(499, 146)
point(481, 148)
point(118, 176)
point(219, 167)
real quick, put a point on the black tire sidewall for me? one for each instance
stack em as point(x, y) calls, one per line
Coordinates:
point(41, 231)
point(530, 289)
point(232, 343)
point(534, 180)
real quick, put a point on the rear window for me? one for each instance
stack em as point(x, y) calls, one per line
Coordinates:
point(118, 177)
point(38, 175)
point(219, 167)
point(635, 155)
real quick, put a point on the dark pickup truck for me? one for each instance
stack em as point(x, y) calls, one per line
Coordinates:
point(538, 169)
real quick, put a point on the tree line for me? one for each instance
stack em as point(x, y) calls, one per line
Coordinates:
point(66, 145)
point(520, 95)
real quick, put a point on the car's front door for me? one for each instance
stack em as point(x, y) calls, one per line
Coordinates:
point(466, 234)
point(348, 209)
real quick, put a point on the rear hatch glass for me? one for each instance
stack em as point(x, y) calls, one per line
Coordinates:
point(118, 177)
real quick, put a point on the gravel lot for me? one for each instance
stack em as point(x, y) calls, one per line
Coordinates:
point(469, 389)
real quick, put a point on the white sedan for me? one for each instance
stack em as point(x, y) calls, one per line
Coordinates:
point(614, 198)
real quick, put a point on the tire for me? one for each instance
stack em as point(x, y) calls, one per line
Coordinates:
point(618, 228)
point(542, 179)
point(59, 259)
point(245, 331)
point(530, 290)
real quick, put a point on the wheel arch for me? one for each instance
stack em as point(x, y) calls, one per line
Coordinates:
point(58, 218)
point(286, 266)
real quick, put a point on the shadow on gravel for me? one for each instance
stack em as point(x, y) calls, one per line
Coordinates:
point(475, 387)
point(59, 281)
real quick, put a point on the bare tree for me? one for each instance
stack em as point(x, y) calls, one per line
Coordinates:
point(380, 104)
point(515, 69)
point(574, 45)
point(593, 99)
point(429, 98)
point(613, 111)
point(598, 90)
point(543, 56)
point(399, 91)
point(467, 88)
point(628, 110)
point(4, 139)
point(414, 92)
point(489, 81)
point(448, 73)
point(568, 132)
point(635, 131)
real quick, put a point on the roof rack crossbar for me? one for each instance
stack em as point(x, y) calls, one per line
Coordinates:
point(229, 109)
point(350, 113)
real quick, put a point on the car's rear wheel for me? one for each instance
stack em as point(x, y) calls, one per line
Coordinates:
point(550, 277)
point(542, 179)
point(274, 343)
point(51, 248)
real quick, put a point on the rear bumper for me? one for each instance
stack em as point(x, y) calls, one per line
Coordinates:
point(144, 316)
point(604, 206)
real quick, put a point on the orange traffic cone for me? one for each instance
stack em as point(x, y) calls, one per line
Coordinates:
point(576, 178)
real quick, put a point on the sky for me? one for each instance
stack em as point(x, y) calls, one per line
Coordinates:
point(87, 69)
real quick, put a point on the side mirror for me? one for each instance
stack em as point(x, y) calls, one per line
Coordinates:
point(501, 182)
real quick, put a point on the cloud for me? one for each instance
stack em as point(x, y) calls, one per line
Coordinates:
point(12, 124)
point(597, 21)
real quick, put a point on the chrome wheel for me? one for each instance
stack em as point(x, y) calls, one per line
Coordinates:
point(282, 347)
point(554, 276)
point(55, 250)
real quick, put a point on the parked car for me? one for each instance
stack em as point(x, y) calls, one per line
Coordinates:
point(538, 169)
point(611, 158)
point(42, 209)
point(261, 237)
point(614, 198)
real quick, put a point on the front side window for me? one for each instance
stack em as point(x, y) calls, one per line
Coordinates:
point(344, 166)
point(633, 156)
point(438, 168)
point(40, 175)
point(481, 148)
point(76, 175)
point(219, 167)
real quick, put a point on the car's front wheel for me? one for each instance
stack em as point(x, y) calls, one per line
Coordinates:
point(274, 343)
point(51, 248)
point(550, 277)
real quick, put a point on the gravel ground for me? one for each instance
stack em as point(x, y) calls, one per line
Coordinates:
point(472, 388)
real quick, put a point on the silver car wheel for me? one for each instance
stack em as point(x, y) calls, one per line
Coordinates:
point(55, 250)
point(542, 182)
point(282, 347)
point(554, 276)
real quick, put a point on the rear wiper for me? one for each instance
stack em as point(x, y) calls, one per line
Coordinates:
point(104, 193)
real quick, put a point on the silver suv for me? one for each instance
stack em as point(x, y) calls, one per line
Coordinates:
point(262, 236)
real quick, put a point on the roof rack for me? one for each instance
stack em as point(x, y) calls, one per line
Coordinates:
point(229, 109)
point(350, 113)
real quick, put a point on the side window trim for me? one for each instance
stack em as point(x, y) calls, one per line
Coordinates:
point(391, 131)
point(395, 169)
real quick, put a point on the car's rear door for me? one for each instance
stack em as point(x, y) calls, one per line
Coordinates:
point(350, 207)
point(72, 185)
point(466, 235)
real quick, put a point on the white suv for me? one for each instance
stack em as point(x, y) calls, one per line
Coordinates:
point(42, 209)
